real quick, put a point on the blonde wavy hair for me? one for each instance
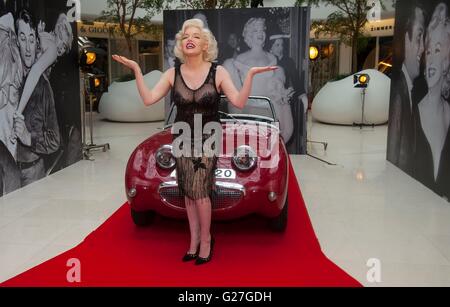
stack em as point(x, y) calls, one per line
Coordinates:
point(440, 26)
point(63, 30)
point(11, 70)
point(210, 54)
point(253, 23)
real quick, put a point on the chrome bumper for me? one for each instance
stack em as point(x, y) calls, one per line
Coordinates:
point(225, 195)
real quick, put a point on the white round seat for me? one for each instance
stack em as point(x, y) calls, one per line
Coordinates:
point(123, 103)
point(339, 102)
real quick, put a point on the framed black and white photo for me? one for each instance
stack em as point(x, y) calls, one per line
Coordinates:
point(419, 118)
point(40, 117)
point(259, 37)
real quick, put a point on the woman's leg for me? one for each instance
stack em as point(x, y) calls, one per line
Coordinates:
point(204, 212)
point(194, 224)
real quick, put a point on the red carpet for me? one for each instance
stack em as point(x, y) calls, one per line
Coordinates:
point(246, 254)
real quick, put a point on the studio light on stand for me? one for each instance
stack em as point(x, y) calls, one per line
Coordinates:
point(314, 53)
point(313, 56)
point(362, 81)
point(95, 83)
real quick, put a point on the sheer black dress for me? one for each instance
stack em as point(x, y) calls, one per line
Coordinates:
point(196, 173)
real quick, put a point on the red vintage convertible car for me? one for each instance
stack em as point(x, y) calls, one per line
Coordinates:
point(248, 180)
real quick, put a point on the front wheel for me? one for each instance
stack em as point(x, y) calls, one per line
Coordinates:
point(279, 223)
point(142, 218)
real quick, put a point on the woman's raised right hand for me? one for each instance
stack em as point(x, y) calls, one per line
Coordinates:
point(126, 62)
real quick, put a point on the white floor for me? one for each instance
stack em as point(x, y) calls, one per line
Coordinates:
point(362, 208)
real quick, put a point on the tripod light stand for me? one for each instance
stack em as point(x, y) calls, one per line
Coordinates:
point(93, 83)
point(362, 81)
point(314, 53)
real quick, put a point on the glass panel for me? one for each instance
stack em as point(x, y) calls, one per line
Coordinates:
point(386, 54)
point(150, 56)
point(325, 67)
point(257, 108)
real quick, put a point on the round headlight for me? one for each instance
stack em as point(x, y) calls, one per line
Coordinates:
point(165, 158)
point(244, 158)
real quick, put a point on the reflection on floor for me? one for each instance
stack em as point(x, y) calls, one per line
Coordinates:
point(363, 208)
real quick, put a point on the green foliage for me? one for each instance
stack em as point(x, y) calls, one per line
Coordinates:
point(363, 42)
point(347, 22)
point(123, 12)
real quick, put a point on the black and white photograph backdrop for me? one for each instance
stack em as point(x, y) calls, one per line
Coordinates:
point(40, 113)
point(258, 37)
point(419, 118)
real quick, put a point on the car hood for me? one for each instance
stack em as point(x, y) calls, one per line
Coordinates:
point(143, 158)
point(243, 134)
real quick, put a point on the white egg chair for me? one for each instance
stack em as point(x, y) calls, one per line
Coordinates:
point(123, 103)
point(339, 102)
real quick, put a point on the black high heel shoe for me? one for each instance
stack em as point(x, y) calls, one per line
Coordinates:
point(189, 257)
point(201, 260)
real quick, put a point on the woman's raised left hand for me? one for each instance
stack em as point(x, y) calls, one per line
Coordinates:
point(258, 70)
point(126, 62)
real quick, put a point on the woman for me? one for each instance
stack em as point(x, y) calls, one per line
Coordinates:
point(52, 46)
point(9, 172)
point(196, 84)
point(433, 143)
point(10, 82)
point(11, 76)
point(268, 85)
point(292, 83)
point(231, 49)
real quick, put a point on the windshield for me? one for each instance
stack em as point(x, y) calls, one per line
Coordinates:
point(256, 109)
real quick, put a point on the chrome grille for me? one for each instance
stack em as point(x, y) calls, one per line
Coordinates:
point(226, 195)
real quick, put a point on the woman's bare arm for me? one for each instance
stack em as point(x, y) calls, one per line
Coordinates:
point(45, 61)
point(47, 58)
point(7, 22)
point(159, 91)
point(239, 98)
